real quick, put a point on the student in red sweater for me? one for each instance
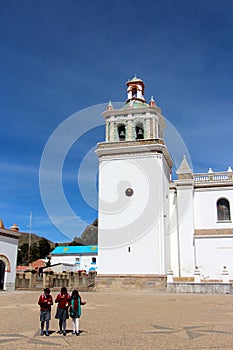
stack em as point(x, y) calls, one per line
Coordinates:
point(45, 301)
point(63, 300)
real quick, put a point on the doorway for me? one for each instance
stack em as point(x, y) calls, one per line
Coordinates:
point(2, 274)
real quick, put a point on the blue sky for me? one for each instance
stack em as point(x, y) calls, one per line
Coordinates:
point(59, 57)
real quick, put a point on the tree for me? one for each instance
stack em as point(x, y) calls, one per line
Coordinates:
point(22, 258)
point(34, 253)
point(44, 247)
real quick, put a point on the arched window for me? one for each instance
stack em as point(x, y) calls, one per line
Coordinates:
point(139, 132)
point(223, 209)
point(134, 92)
point(121, 132)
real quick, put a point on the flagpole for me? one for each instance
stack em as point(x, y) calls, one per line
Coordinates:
point(29, 237)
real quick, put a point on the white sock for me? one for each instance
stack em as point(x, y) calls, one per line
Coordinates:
point(77, 324)
point(73, 324)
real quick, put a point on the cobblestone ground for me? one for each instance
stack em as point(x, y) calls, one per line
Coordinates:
point(123, 321)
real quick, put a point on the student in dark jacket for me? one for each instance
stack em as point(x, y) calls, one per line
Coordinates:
point(63, 300)
point(75, 310)
point(45, 301)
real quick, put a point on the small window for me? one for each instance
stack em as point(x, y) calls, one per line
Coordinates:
point(94, 260)
point(121, 132)
point(77, 259)
point(223, 209)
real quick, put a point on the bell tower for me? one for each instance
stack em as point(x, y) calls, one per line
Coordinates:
point(134, 175)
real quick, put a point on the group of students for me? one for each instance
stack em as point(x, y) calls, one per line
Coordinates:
point(68, 305)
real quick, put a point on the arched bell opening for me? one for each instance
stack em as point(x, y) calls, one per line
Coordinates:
point(134, 92)
point(121, 132)
point(139, 132)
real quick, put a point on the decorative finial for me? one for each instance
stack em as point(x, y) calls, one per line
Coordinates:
point(109, 106)
point(152, 102)
point(1, 224)
point(14, 227)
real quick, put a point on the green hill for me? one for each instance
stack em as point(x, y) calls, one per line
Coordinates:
point(24, 238)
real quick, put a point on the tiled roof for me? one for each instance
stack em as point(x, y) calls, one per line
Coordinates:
point(135, 104)
point(135, 78)
point(75, 250)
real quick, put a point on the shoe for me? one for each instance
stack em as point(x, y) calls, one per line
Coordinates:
point(60, 332)
point(73, 332)
point(77, 333)
point(64, 333)
point(47, 334)
point(42, 333)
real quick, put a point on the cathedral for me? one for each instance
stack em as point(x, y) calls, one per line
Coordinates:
point(149, 223)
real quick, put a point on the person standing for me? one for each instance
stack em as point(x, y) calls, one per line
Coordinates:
point(63, 300)
point(45, 301)
point(75, 310)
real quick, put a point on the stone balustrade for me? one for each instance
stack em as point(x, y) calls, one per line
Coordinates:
point(197, 284)
point(89, 282)
point(70, 280)
point(25, 280)
point(214, 176)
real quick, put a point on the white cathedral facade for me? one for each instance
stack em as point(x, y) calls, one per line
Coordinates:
point(150, 224)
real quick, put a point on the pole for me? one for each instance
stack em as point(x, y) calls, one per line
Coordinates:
point(29, 237)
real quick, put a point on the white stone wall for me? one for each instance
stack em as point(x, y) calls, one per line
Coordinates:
point(195, 210)
point(213, 253)
point(9, 248)
point(132, 229)
point(173, 234)
point(205, 208)
point(185, 230)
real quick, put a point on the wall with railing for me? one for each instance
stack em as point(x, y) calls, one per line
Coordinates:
point(196, 284)
point(70, 280)
point(214, 176)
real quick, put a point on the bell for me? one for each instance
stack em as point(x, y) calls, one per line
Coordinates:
point(122, 133)
point(140, 132)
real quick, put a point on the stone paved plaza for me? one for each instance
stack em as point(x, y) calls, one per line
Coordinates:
point(126, 320)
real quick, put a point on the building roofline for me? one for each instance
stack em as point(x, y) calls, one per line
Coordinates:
point(9, 233)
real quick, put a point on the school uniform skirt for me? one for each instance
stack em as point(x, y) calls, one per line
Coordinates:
point(62, 314)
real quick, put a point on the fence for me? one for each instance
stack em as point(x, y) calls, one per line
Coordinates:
point(70, 280)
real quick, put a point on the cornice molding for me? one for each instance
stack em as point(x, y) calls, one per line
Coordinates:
point(132, 148)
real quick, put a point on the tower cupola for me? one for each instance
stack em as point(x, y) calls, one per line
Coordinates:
point(135, 90)
point(136, 120)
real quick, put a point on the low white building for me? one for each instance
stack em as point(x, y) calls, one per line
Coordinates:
point(8, 256)
point(61, 267)
point(81, 257)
